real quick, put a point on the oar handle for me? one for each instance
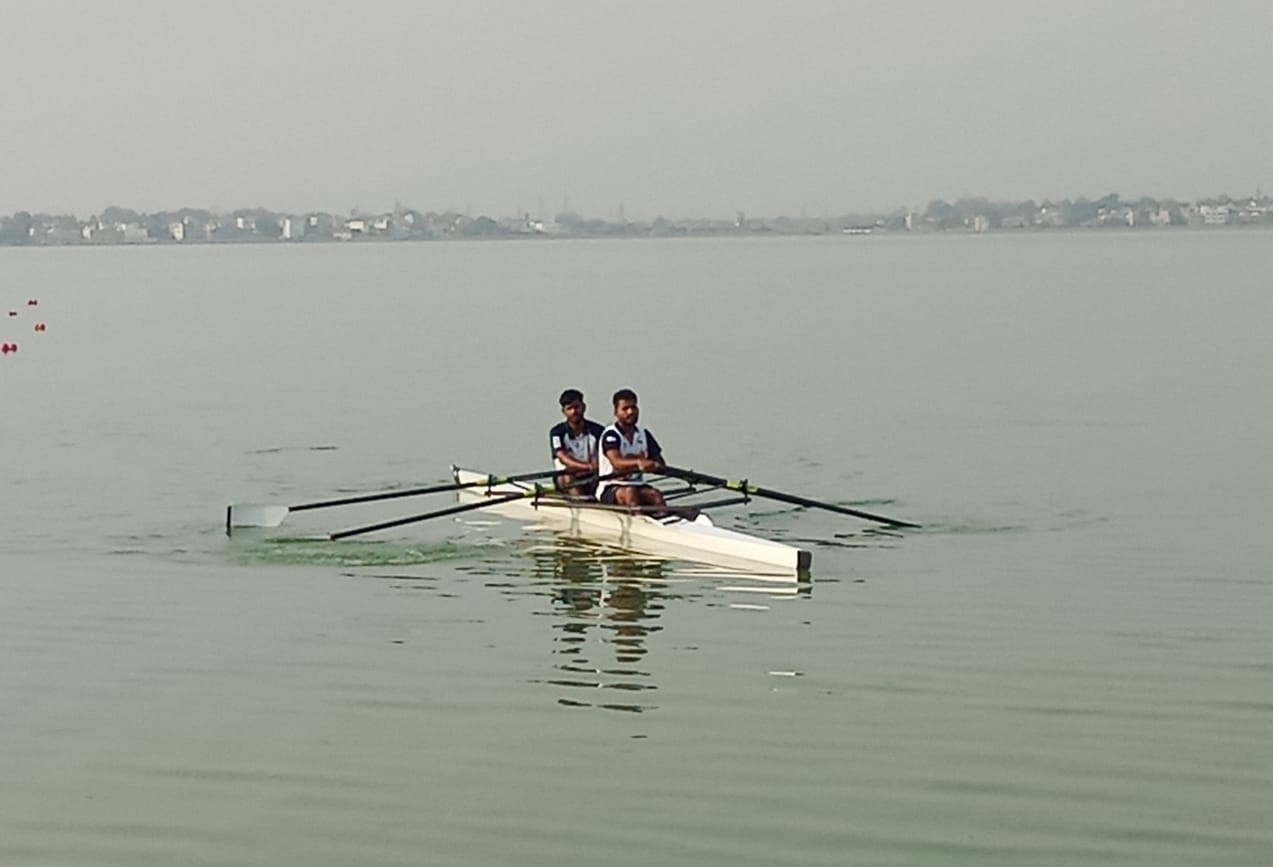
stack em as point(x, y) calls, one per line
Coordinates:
point(452, 510)
point(793, 499)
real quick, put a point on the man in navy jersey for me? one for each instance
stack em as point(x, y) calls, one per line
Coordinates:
point(630, 449)
point(573, 444)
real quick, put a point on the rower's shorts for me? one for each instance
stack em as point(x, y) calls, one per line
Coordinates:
point(562, 483)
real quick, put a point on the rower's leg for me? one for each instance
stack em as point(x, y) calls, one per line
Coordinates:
point(627, 495)
point(652, 496)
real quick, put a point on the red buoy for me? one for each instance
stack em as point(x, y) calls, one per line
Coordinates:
point(8, 347)
point(40, 326)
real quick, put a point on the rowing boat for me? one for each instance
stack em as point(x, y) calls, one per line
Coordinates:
point(698, 540)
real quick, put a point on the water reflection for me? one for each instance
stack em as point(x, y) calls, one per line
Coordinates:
point(605, 607)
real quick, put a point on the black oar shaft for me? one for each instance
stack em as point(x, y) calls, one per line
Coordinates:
point(419, 492)
point(793, 499)
point(816, 504)
point(440, 513)
point(593, 505)
point(371, 498)
point(490, 481)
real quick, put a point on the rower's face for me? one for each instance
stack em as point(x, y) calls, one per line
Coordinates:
point(626, 412)
point(573, 411)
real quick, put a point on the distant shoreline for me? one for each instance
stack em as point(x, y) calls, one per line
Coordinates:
point(117, 226)
point(722, 236)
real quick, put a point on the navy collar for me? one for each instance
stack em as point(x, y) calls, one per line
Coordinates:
point(588, 427)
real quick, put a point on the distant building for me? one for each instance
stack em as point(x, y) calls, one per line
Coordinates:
point(1214, 215)
point(135, 234)
point(1052, 217)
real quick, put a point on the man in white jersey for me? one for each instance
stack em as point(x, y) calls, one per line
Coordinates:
point(573, 444)
point(628, 448)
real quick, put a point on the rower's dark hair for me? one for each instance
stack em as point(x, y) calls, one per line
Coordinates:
point(624, 394)
point(571, 395)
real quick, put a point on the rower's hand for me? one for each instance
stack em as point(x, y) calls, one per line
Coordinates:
point(647, 466)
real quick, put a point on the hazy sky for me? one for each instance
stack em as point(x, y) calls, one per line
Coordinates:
point(675, 108)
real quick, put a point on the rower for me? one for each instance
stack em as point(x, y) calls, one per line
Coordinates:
point(628, 448)
point(573, 444)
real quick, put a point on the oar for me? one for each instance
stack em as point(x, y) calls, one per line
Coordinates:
point(536, 492)
point(752, 490)
point(248, 515)
point(453, 510)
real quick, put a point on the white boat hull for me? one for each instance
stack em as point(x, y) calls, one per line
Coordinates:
point(698, 541)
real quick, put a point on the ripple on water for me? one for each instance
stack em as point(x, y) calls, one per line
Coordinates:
point(322, 552)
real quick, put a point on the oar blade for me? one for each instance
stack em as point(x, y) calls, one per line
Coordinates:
point(253, 515)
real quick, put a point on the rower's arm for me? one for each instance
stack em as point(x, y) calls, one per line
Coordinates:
point(573, 463)
point(633, 464)
point(655, 451)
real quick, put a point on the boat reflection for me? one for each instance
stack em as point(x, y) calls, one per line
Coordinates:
point(605, 607)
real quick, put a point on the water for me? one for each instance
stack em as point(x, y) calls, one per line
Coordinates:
point(1070, 663)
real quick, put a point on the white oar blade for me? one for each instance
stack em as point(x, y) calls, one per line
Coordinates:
point(248, 515)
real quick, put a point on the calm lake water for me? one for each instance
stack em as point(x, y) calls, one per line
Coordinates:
point(1071, 662)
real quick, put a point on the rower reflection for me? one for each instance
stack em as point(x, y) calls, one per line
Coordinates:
point(604, 607)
